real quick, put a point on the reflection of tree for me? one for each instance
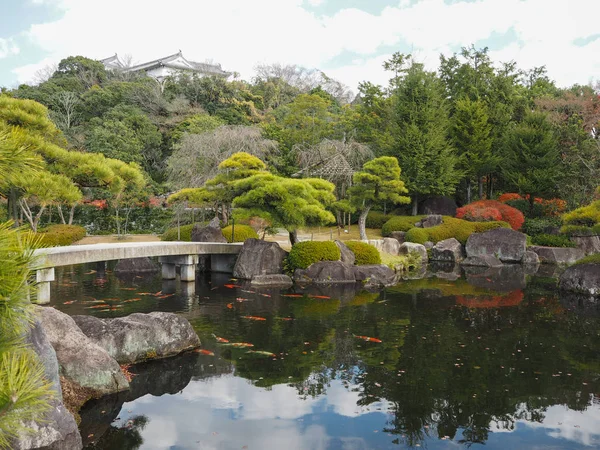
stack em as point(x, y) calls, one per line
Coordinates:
point(126, 437)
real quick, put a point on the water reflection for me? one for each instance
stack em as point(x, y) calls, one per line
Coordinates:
point(483, 359)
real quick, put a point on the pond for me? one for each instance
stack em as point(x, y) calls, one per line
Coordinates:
point(436, 363)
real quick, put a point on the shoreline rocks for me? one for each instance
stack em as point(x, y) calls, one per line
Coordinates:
point(448, 250)
point(337, 272)
point(558, 255)
point(259, 258)
point(581, 279)
point(503, 243)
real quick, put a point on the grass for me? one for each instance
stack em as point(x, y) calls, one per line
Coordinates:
point(591, 259)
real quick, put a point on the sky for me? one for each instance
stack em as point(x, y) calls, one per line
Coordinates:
point(347, 39)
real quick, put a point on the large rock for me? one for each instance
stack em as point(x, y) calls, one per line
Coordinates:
point(375, 275)
point(347, 255)
point(377, 243)
point(589, 244)
point(139, 337)
point(58, 430)
point(210, 233)
point(432, 220)
point(438, 205)
point(558, 255)
point(505, 244)
point(136, 265)
point(482, 261)
point(390, 246)
point(410, 247)
point(582, 279)
point(259, 258)
point(398, 235)
point(448, 250)
point(326, 272)
point(81, 361)
point(530, 258)
point(277, 279)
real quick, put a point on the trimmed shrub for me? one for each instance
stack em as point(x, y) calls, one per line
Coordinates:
point(376, 219)
point(365, 253)
point(578, 230)
point(399, 223)
point(417, 235)
point(541, 207)
point(586, 216)
point(61, 235)
point(545, 225)
point(171, 233)
point(489, 211)
point(242, 232)
point(303, 254)
point(552, 240)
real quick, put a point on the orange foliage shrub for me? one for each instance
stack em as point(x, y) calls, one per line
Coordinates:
point(550, 207)
point(490, 210)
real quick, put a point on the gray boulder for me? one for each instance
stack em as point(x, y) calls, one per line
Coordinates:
point(347, 255)
point(505, 244)
point(390, 246)
point(530, 258)
point(81, 361)
point(136, 265)
point(582, 279)
point(428, 245)
point(482, 261)
point(375, 275)
point(259, 258)
point(58, 430)
point(398, 235)
point(377, 243)
point(589, 244)
point(279, 280)
point(210, 233)
point(410, 247)
point(432, 220)
point(448, 250)
point(139, 337)
point(438, 205)
point(557, 255)
point(326, 272)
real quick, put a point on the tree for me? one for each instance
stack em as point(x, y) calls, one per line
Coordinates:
point(420, 129)
point(378, 182)
point(65, 115)
point(533, 163)
point(472, 140)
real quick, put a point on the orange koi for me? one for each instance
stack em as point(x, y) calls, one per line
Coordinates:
point(128, 289)
point(204, 352)
point(220, 339)
point(145, 293)
point(103, 305)
point(231, 286)
point(240, 299)
point(265, 295)
point(323, 297)
point(242, 344)
point(70, 302)
point(132, 300)
point(368, 339)
point(285, 318)
point(166, 296)
point(230, 305)
point(253, 318)
point(293, 295)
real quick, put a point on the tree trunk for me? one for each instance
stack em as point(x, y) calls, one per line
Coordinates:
point(71, 214)
point(13, 207)
point(415, 205)
point(468, 191)
point(293, 236)
point(480, 181)
point(490, 186)
point(362, 223)
point(61, 215)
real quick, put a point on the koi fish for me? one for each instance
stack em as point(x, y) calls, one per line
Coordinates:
point(220, 339)
point(104, 310)
point(253, 318)
point(158, 293)
point(249, 292)
point(285, 318)
point(293, 295)
point(240, 299)
point(323, 297)
point(103, 305)
point(230, 305)
point(368, 339)
point(204, 352)
point(261, 353)
point(242, 344)
point(90, 272)
point(231, 286)
point(70, 302)
point(132, 300)
point(128, 289)
point(145, 293)
point(265, 295)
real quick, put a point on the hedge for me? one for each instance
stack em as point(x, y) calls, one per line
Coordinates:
point(586, 216)
point(303, 254)
point(376, 219)
point(552, 240)
point(171, 234)
point(452, 228)
point(399, 223)
point(242, 232)
point(545, 225)
point(364, 253)
point(61, 235)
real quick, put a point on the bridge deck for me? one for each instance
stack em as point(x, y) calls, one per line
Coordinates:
point(81, 254)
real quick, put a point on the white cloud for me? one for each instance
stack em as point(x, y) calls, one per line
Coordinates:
point(8, 48)
point(239, 34)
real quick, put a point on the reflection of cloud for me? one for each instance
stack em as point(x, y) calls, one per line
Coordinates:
point(345, 402)
point(561, 422)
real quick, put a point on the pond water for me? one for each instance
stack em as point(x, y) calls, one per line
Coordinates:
point(486, 359)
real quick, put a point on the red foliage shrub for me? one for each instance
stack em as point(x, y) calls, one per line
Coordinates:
point(100, 204)
point(550, 207)
point(490, 210)
point(498, 301)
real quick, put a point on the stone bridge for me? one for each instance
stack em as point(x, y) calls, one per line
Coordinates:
point(170, 254)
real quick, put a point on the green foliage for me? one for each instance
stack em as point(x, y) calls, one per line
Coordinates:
point(586, 216)
point(533, 227)
point(399, 223)
point(365, 253)
point(552, 240)
point(196, 124)
point(404, 263)
point(580, 230)
point(242, 232)
point(590, 259)
point(303, 254)
point(376, 219)
point(61, 235)
point(184, 230)
point(417, 235)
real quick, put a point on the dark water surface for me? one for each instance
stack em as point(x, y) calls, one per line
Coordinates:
point(466, 362)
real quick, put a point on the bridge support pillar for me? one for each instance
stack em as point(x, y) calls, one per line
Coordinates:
point(43, 278)
point(186, 263)
point(168, 271)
